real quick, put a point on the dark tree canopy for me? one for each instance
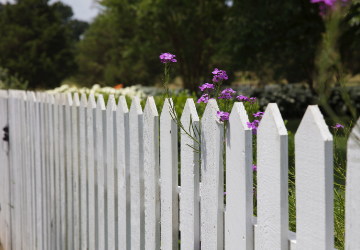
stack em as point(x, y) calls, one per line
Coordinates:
point(35, 43)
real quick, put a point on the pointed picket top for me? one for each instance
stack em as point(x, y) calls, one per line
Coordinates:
point(100, 102)
point(165, 113)
point(272, 181)
point(57, 98)
point(313, 119)
point(83, 100)
point(137, 175)
point(190, 176)
point(239, 181)
point(151, 175)
point(123, 166)
point(68, 100)
point(314, 182)
point(91, 104)
point(212, 179)
point(111, 104)
point(352, 199)
point(76, 100)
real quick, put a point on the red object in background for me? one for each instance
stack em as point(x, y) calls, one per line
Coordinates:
point(119, 86)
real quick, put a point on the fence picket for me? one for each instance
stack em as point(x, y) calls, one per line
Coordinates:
point(151, 176)
point(110, 169)
point(239, 181)
point(272, 181)
point(212, 179)
point(169, 179)
point(5, 181)
point(314, 183)
point(57, 199)
point(100, 127)
point(137, 176)
point(190, 176)
point(83, 173)
point(69, 174)
point(123, 173)
point(62, 165)
point(90, 133)
point(352, 199)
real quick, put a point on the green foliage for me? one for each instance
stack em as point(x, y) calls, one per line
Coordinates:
point(8, 81)
point(35, 43)
point(123, 44)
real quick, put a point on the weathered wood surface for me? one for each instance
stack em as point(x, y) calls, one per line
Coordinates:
point(212, 179)
point(123, 173)
point(151, 176)
point(190, 177)
point(100, 165)
point(314, 183)
point(352, 199)
point(272, 181)
point(239, 181)
point(137, 176)
point(169, 178)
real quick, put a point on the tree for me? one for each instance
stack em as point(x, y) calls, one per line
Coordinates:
point(276, 38)
point(35, 44)
point(123, 44)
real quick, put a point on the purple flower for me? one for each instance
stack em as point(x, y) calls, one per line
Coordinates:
point(254, 126)
point(243, 98)
point(224, 116)
point(259, 114)
point(227, 94)
point(204, 98)
point(252, 100)
point(207, 86)
point(337, 126)
point(254, 167)
point(219, 75)
point(167, 57)
point(326, 5)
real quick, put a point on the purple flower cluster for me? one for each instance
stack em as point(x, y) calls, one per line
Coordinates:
point(219, 75)
point(337, 126)
point(205, 86)
point(254, 168)
point(252, 100)
point(167, 57)
point(224, 116)
point(258, 114)
point(254, 126)
point(227, 94)
point(204, 98)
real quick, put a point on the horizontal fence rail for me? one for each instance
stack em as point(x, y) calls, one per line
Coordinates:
point(79, 174)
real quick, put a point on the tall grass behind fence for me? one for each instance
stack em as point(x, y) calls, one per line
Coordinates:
point(79, 174)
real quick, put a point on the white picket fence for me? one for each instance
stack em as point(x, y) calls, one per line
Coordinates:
point(79, 175)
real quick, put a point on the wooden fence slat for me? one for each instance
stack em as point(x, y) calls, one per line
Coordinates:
point(169, 179)
point(100, 124)
point(314, 183)
point(151, 175)
point(51, 166)
point(83, 173)
point(57, 194)
point(123, 173)
point(352, 199)
point(75, 169)
point(62, 165)
point(110, 169)
point(137, 176)
point(24, 166)
point(69, 173)
point(239, 181)
point(212, 179)
point(5, 182)
point(15, 169)
point(190, 177)
point(90, 132)
point(272, 181)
